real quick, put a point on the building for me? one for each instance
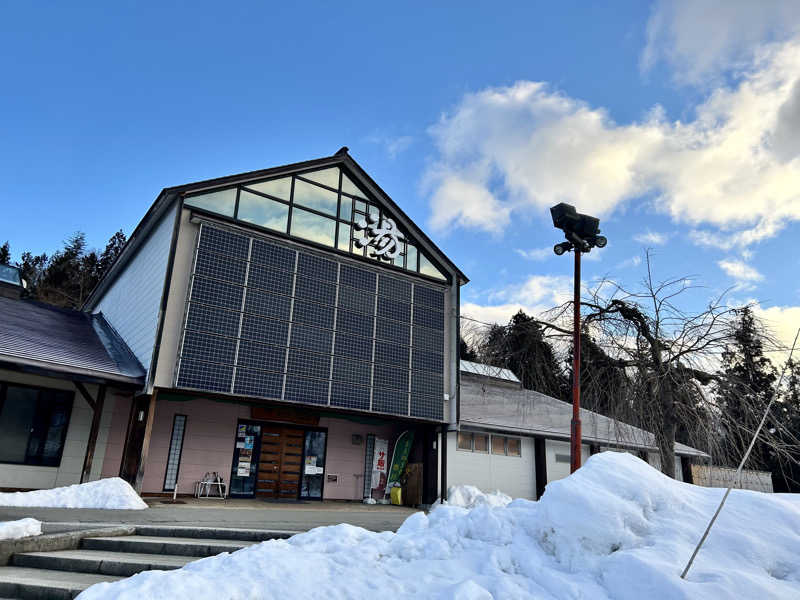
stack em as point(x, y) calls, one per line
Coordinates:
point(291, 323)
point(517, 440)
point(62, 372)
point(282, 328)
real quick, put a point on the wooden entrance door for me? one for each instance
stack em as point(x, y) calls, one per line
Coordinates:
point(279, 465)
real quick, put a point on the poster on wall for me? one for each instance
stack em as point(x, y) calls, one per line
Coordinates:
point(243, 470)
point(380, 461)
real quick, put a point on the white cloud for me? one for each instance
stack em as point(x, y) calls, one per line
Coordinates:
point(701, 39)
point(744, 274)
point(732, 172)
point(536, 253)
point(394, 145)
point(784, 322)
point(633, 261)
point(651, 238)
point(534, 296)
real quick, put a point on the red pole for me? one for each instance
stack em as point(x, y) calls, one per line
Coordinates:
point(575, 434)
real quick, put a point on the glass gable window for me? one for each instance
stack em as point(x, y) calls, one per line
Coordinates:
point(263, 211)
point(323, 206)
point(222, 202)
point(33, 424)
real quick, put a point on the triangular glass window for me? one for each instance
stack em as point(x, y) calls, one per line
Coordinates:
point(329, 177)
point(222, 202)
point(280, 188)
point(348, 187)
point(426, 268)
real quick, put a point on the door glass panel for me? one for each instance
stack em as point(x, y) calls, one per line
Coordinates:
point(313, 196)
point(245, 460)
point(329, 177)
point(222, 202)
point(313, 464)
point(16, 423)
point(280, 188)
point(263, 211)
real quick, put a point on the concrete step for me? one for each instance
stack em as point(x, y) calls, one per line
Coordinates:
point(216, 533)
point(103, 562)
point(46, 584)
point(173, 546)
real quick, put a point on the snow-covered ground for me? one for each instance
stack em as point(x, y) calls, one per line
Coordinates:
point(468, 496)
point(104, 493)
point(615, 529)
point(12, 530)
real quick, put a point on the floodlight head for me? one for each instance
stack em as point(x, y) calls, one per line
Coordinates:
point(600, 241)
point(559, 249)
point(564, 215)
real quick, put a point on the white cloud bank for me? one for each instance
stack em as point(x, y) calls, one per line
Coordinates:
point(535, 295)
point(732, 172)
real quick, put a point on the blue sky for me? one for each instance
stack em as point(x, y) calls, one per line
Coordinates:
point(673, 121)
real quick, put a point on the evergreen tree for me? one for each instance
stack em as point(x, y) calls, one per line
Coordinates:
point(522, 347)
point(745, 387)
point(5, 254)
point(786, 473)
point(465, 352)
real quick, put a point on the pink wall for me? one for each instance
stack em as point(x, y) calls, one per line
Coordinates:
point(116, 436)
point(346, 459)
point(207, 444)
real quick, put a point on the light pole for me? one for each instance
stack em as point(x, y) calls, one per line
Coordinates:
point(581, 232)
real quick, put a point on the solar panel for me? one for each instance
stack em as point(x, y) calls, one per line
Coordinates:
point(300, 389)
point(390, 401)
point(250, 317)
point(259, 356)
point(258, 383)
point(270, 280)
point(222, 241)
point(212, 320)
point(346, 395)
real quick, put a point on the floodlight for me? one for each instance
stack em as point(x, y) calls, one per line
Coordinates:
point(600, 241)
point(559, 249)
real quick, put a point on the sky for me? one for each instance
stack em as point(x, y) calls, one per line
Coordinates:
point(676, 123)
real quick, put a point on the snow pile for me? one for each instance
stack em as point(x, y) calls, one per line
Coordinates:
point(104, 493)
point(468, 496)
point(615, 529)
point(12, 530)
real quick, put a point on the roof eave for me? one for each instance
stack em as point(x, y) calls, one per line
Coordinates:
point(71, 370)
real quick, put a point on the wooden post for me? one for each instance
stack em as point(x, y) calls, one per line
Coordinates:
point(148, 430)
point(97, 413)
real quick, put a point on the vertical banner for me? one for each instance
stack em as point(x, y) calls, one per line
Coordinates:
point(402, 448)
point(380, 460)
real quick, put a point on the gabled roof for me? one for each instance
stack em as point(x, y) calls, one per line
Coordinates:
point(488, 404)
point(40, 336)
point(341, 158)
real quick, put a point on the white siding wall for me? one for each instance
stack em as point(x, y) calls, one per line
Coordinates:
point(69, 471)
point(512, 475)
point(559, 469)
point(132, 302)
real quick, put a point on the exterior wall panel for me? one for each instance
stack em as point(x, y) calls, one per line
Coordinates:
point(512, 475)
point(555, 450)
point(131, 304)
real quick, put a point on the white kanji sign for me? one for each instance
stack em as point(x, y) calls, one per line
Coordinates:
point(382, 234)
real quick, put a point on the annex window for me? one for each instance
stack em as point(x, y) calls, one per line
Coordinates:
point(506, 446)
point(33, 424)
point(322, 206)
point(473, 442)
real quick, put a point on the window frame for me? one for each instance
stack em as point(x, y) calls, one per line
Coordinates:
point(180, 451)
point(337, 218)
point(473, 435)
point(506, 438)
point(70, 402)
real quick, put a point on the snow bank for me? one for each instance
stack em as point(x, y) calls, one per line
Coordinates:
point(468, 496)
point(12, 530)
point(615, 529)
point(104, 493)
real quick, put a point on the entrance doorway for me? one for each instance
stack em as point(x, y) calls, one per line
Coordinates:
point(280, 463)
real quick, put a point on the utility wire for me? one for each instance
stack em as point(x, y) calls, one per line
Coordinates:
point(741, 464)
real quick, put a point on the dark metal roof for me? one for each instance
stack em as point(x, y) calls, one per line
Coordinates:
point(40, 336)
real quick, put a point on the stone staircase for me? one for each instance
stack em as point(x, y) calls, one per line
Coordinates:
point(63, 574)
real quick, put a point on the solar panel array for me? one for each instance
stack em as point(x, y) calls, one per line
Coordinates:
point(270, 321)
